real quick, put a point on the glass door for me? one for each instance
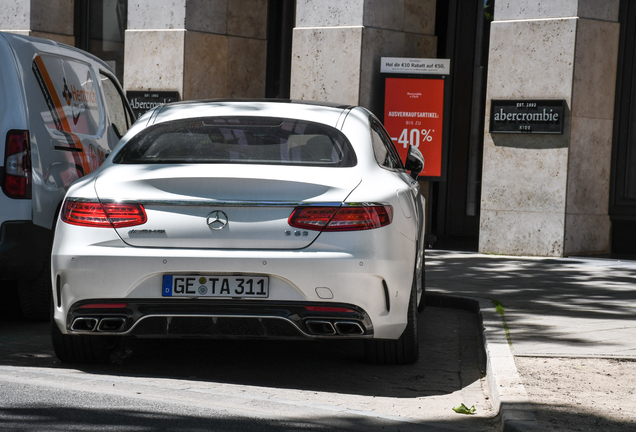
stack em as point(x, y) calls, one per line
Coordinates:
point(100, 26)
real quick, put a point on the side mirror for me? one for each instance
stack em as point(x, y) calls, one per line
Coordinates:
point(414, 162)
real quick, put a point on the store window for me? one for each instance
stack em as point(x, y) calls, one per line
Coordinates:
point(100, 26)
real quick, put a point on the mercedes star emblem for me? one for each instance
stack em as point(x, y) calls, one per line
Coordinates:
point(217, 220)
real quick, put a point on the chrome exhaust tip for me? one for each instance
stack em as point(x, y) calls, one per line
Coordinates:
point(319, 327)
point(84, 324)
point(111, 324)
point(348, 328)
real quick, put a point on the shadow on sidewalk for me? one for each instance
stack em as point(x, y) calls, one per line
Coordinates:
point(545, 298)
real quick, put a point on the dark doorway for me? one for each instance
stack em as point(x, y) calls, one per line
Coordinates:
point(281, 15)
point(623, 180)
point(463, 30)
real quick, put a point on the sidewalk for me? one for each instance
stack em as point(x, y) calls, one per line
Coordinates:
point(570, 326)
point(561, 307)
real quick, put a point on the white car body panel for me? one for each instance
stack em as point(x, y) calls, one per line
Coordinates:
point(84, 118)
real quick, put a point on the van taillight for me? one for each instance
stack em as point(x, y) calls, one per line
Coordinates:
point(347, 218)
point(17, 165)
point(106, 215)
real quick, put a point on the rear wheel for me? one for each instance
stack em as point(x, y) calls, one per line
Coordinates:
point(81, 348)
point(35, 294)
point(34, 290)
point(404, 350)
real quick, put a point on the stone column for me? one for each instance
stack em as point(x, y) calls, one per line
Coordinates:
point(548, 195)
point(337, 46)
point(49, 19)
point(200, 48)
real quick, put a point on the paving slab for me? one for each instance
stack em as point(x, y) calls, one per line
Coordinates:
point(566, 307)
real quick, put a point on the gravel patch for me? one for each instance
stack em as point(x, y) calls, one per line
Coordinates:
point(582, 394)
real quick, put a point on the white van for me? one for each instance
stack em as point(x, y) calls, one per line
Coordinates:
point(61, 113)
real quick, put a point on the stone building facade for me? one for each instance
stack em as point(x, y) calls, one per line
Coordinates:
point(519, 194)
point(548, 195)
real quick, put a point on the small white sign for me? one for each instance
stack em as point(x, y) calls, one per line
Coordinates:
point(424, 66)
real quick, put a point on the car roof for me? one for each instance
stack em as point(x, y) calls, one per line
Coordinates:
point(271, 100)
point(17, 41)
point(322, 112)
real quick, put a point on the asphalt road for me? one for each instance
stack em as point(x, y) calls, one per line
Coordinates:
point(201, 385)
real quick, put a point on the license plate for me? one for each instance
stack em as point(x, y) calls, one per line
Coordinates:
point(215, 286)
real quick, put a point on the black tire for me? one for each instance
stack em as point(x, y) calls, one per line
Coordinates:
point(35, 294)
point(404, 350)
point(422, 305)
point(81, 348)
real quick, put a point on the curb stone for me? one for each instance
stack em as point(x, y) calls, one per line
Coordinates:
point(505, 388)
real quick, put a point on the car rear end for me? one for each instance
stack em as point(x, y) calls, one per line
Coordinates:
point(159, 243)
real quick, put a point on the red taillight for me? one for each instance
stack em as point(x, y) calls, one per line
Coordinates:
point(349, 218)
point(313, 218)
point(17, 165)
point(108, 215)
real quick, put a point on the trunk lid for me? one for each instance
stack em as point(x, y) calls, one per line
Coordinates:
point(218, 207)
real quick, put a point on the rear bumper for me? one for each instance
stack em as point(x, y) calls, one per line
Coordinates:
point(217, 319)
point(373, 274)
point(379, 287)
point(24, 249)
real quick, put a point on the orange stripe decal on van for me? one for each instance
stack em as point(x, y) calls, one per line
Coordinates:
point(58, 114)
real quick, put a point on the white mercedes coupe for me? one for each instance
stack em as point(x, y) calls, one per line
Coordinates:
point(243, 219)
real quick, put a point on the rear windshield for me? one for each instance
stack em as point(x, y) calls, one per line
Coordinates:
point(243, 140)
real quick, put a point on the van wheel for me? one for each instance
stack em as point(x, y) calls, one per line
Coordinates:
point(35, 295)
point(404, 350)
point(81, 348)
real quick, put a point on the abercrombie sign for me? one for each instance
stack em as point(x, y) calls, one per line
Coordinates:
point(527, 116)
point(142, 101)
